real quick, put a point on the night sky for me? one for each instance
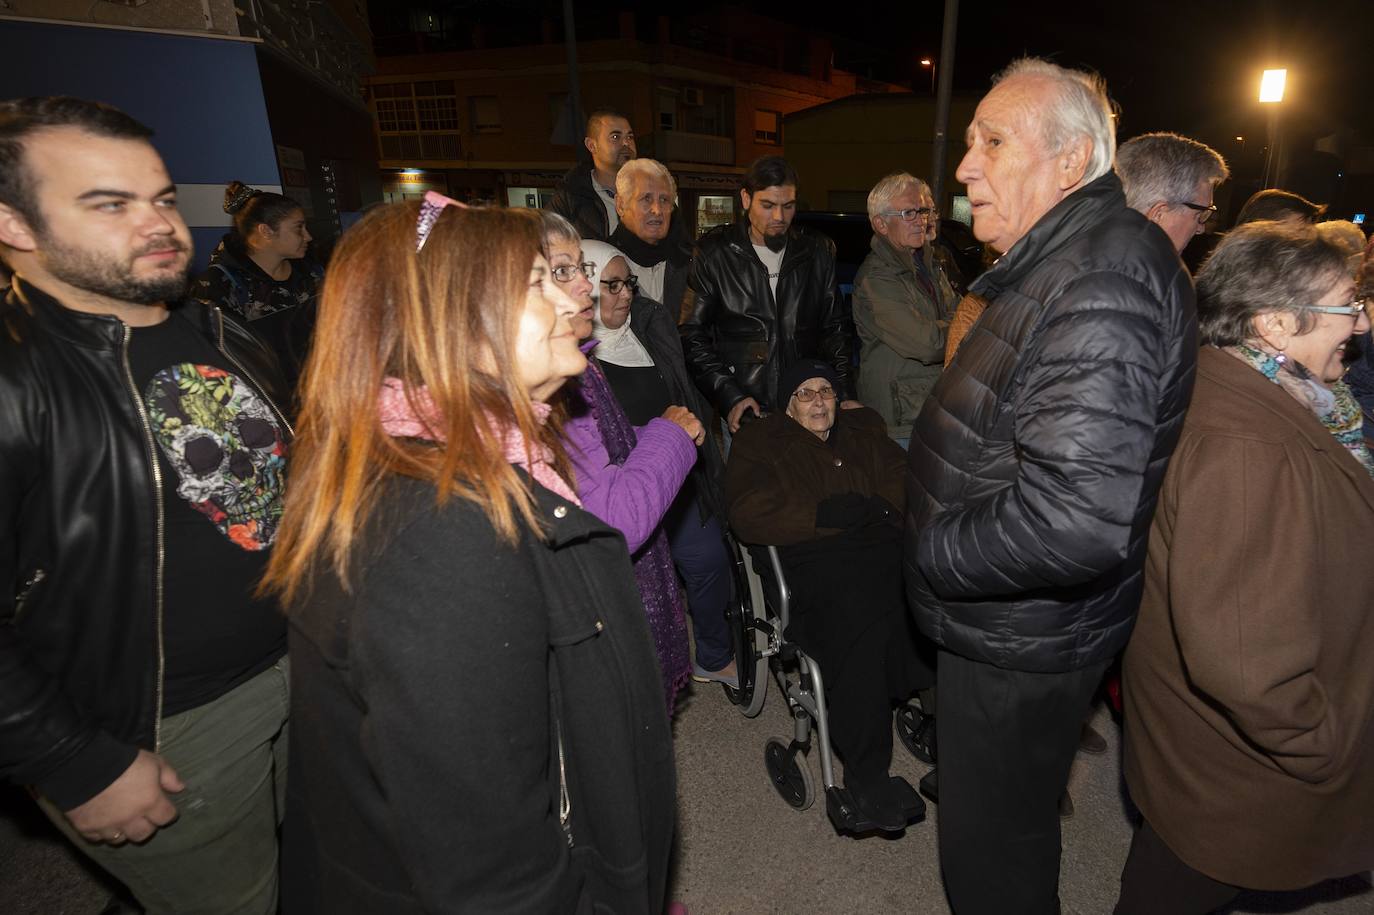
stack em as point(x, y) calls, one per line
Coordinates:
point(1191, 67)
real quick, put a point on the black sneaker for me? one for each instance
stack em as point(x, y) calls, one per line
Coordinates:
point(1089, 741)
point(881, 806)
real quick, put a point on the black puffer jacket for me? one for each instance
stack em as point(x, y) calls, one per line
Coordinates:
point(1035, 463)
point(80, 542)
point(738, 339)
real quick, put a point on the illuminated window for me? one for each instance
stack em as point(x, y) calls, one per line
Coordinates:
point(768, 127)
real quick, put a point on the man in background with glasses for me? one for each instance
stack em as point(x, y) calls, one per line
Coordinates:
point(1171, 180)
point(902, 305)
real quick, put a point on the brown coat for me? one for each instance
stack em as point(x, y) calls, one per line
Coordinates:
point(779, 472)
point(1249, 679)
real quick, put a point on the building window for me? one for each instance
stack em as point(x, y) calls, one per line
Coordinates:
point(768, 127)
point(437, 113)
point(395, 114)
point(486, 114)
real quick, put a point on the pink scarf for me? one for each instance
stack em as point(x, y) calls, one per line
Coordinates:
point(400, 421)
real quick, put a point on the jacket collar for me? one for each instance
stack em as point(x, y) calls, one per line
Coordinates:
point(797, 248)
point(91, 330)
point(1076, 213)
point(1262, 394)
point(897, 258)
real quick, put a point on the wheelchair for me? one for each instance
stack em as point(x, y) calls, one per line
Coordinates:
point(758, 615)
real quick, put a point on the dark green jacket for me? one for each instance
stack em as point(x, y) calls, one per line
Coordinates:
point(901, 333)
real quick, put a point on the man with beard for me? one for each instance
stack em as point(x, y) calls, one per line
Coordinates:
point(587, 195)
point(143, 685)
point(762, 295)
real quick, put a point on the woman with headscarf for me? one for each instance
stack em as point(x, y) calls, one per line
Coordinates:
point(1248, 679)
point(640, 352)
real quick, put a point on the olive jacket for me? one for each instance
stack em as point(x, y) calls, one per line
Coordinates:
point(902, 315)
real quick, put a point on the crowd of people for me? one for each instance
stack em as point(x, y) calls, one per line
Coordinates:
point(366, 587)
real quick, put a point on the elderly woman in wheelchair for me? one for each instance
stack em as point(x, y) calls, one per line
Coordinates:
point(825, 486)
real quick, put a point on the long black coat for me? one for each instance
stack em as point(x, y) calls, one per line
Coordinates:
point(654, 326)
point(427, 709)
point(1035, 464)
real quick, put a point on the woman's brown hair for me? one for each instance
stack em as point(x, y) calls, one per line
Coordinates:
point(443, 320)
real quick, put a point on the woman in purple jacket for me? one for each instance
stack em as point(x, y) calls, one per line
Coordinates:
point(627, 476)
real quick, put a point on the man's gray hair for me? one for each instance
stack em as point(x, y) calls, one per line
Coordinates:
point(1346, 234)
point(1264, 267)
point(557, 230)
point(1080, 108)
point(894, 185)
point(1165, 167)
point(629, 173)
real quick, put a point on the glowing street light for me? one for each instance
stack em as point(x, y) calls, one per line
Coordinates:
point(930, 62)
point(1271, 93)
point(1271, 86)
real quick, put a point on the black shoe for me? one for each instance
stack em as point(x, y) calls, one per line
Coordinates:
point(930, 786)
point(916, 730)
point(881, 806)
point(1065, 805)
point(1089, 741)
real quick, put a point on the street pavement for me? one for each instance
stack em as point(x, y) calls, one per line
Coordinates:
point(742, 850)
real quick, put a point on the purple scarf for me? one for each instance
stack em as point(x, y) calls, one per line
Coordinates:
point(653, 564)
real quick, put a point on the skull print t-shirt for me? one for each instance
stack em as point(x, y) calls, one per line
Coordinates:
point(221, 454)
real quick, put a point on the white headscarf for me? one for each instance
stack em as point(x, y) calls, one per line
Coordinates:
point(619, 345)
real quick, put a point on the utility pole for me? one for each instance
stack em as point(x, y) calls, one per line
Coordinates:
point(940, 149)
point(574, 87)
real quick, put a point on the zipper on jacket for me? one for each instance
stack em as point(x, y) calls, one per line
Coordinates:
point(219, 316)
point(156, 469)
point(28, 586)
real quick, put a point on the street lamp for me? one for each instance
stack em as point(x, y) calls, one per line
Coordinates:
point(1271, 93)
point(930, 62)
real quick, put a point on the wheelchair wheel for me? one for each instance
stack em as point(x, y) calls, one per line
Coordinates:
point(750, 641)
point(916, 731)
point(789, 773)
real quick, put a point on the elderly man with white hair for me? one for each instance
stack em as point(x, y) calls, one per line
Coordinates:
point(1033, 472)
point(902, 305)
point(644, 195)
point(1171, 180)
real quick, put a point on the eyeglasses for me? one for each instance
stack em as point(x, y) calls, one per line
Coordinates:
point(1356, 308)
point(615, 286)
point(806, 395)
point(1204, 213)
point(912, 214)
point(566, 273)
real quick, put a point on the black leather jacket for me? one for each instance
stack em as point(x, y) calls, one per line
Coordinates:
point(1035, 463)
point(81, 542)
point(738, 339)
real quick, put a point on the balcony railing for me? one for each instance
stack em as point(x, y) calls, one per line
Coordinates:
point(680, 146)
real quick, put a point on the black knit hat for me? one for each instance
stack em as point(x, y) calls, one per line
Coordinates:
point(801, 370)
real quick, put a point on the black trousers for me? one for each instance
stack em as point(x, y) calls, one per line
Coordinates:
point(882, 666)
point(1156, 880)
point(1007, 739)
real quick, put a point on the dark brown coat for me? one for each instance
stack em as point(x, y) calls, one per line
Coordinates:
point(1249, 678)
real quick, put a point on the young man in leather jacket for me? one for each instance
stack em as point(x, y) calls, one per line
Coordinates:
point(142, 462)
point(761, 295)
